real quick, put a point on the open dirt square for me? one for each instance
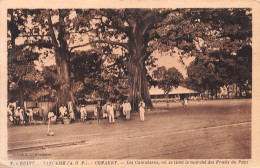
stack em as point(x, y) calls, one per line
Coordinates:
point(217, 129)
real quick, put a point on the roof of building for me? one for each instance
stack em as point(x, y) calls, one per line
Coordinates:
point(178, 90)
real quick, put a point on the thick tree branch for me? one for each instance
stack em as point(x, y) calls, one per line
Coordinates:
point(22, 75)
point(36, 44)
point(54, 40)
point(100, 41)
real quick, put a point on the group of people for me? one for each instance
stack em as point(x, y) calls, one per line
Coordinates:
point(109, 110)
point(63, 112)
point(19, 116)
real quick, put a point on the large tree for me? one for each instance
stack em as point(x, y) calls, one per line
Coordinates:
point(194, 32)
point(138, 33)
point(21, 68)
point(130, 30)
point(41, 34)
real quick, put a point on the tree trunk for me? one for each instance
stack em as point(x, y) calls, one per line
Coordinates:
point(228, 91)
point(21, 96)
point(211, 92)
point(216, 92)
point(136, 67)
point(139, 87)
point(145, 90)
point(13, 29)
point(64, 92)
point(236, 90)
point(208, 93)
point(240, 90)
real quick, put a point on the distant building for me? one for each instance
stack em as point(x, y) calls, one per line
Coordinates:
point(176, 93)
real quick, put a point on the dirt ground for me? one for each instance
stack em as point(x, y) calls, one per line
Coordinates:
point(219, 129)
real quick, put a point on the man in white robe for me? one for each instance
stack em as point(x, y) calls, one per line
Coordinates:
point(127, 109)
point(110, 111)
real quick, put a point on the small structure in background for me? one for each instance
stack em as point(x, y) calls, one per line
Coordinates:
point(176, 94)
point(40, 108)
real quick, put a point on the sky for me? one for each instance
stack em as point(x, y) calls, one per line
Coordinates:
point(169, 61)
point(164, 59)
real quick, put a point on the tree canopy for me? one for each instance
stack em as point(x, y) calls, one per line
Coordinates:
point(167, 79)
point(88, 43)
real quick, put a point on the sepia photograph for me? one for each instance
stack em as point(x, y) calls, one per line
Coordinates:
point(149, 86)
point(112, 83)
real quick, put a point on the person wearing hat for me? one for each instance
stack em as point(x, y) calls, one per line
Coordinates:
point(83, 112)
point(110, 111)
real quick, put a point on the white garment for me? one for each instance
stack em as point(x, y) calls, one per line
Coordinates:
point(62, 110)
point(71, 111)
point(72, 115)
point(83, 113)
point(21, 113)
point(142, 110)
point(52, 116)
point(104, 110)
point(16, 113)
point(110, 111)
point(10, 114)
point(9, 111)
point(95, 110)
point(30, 112)
point(11, 118)
point(126, 108)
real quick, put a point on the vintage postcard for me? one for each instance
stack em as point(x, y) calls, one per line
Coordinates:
point(129, 83)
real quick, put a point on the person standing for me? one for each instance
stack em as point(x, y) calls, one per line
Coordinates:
point(21, 113)
point(71, 111)
point(97, 110)
point(63, 110)
point(83, 113)
point(10, 114)
point(27, 118)
point(111, 114)
point(142, 110)
point(117, 109)
point(185, 102)
point(30, 115)
point(17, 116)
point(52, 117)
point(104, 111)
point(124, 108)
point(127, 109)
